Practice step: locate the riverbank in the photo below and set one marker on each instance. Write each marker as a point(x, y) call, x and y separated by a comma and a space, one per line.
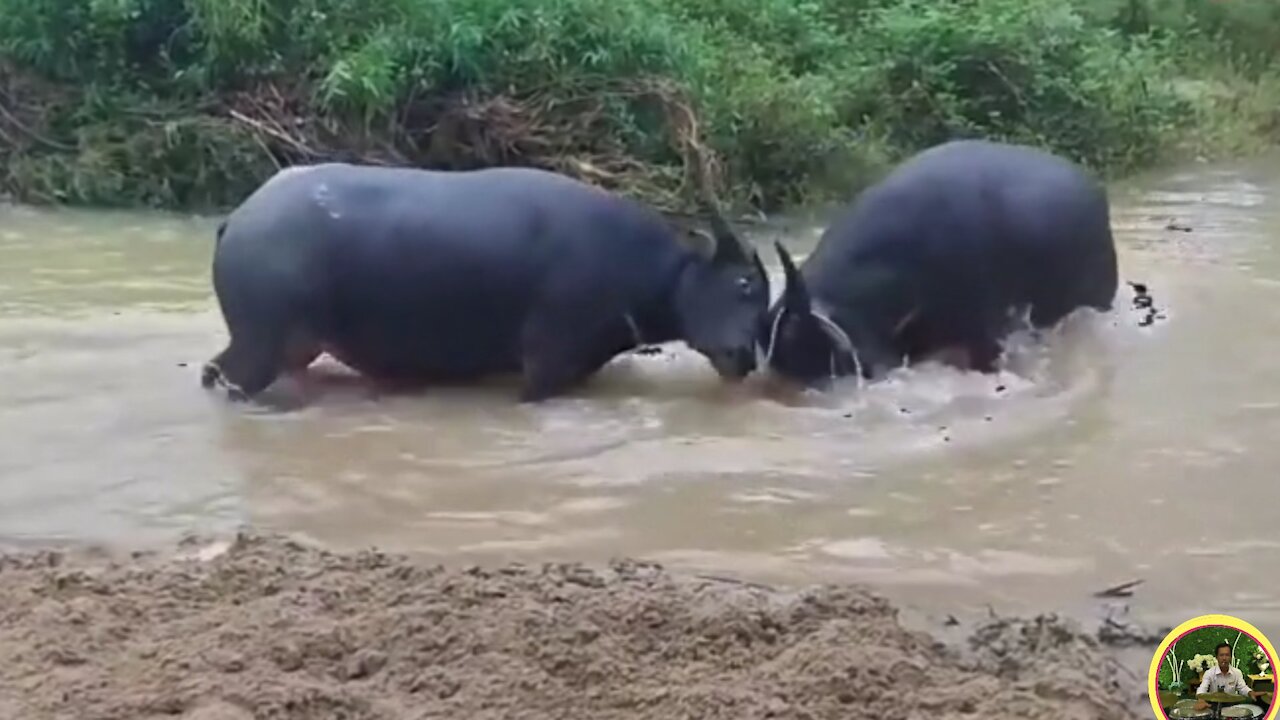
point(264, 627)
point(189, 104)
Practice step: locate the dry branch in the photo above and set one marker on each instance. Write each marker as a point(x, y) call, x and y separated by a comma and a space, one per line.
point(568, 132)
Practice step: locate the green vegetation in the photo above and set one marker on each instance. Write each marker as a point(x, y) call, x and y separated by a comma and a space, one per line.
point(191, 103)
point(1246, 655)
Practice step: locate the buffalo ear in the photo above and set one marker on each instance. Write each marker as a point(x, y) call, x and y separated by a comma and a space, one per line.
point(700, 242)
point(795, 296)
point(729, 248)
point(720, 246)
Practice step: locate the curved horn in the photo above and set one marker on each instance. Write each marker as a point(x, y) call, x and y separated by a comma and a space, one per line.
point(795, 296)
point(729, 248)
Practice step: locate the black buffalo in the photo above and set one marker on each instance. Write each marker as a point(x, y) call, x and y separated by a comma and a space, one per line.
point(421, 276)
point(941, 259)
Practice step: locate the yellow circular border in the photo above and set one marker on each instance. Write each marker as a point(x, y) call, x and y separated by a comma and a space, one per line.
point(1195, 624)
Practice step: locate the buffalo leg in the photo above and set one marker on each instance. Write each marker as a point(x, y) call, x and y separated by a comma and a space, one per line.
point(212, 372)
point(984, 355)
point(264, 308)
point(298, 356)
point(547, 374)
point(555, 360)
point(248, 365)
point(1104, 281)
point(1048, 314)
point(301, 350)
point(976, 355)
point(1086, 281)
point(956, 356)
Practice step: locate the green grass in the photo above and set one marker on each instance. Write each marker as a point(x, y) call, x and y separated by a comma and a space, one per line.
point(188, 104)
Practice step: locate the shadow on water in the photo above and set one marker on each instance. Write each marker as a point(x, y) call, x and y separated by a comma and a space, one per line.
point(1112, 450)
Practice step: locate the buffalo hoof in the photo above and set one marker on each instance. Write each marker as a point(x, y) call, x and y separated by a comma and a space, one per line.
point(209, 375)
point(212, 375)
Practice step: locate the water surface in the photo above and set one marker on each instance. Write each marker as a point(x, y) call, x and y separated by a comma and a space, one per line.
point(1113, 452)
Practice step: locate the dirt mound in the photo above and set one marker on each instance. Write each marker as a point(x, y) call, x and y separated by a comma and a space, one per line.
point(273, 629)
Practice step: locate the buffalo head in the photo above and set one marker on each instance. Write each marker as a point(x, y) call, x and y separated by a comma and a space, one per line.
point(801, 344)
point(722, 297)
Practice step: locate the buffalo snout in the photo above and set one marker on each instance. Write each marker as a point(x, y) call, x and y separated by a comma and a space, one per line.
point(734, 363)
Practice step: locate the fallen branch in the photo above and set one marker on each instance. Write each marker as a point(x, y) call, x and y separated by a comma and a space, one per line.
point(1121, 590)
point(28, 131)
point(559, 128)
point(278, 134)
point(735, 581)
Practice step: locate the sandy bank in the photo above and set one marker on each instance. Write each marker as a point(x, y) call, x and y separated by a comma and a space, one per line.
point(274, 629)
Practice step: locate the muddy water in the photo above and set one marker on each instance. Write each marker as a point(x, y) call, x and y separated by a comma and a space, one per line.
point(1112, 452)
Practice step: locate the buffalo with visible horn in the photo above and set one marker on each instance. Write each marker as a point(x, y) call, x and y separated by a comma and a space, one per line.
point(411, 275)
point(940, 259)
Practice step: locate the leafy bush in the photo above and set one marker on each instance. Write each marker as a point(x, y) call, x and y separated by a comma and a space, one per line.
point(1247, 32)
point(1024, 70)
point(182, 102)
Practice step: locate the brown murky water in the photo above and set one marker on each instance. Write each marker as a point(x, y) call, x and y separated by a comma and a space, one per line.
point(1114, 452)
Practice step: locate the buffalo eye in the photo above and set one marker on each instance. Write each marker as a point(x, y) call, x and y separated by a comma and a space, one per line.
point(744, 284)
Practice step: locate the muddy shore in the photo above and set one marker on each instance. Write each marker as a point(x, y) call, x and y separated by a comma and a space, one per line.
point(265, 627)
